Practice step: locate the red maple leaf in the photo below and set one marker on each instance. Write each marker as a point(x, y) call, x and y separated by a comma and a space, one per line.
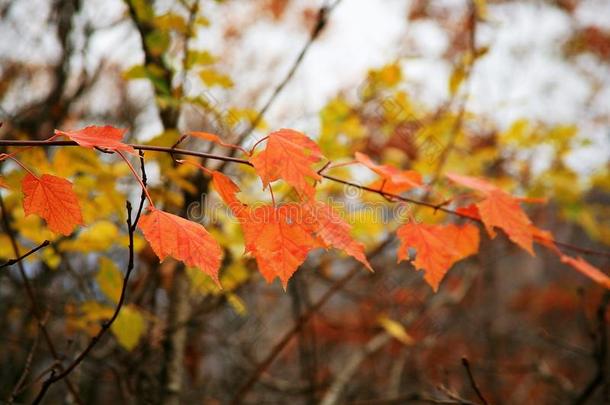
point(53, 199)
point(188, 241)
point(106, 137)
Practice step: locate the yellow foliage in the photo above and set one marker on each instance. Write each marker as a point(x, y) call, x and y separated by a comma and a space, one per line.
point(99, 236)
point(109, 279)
point(396, 330)
point(213, 78)
point(128, 327)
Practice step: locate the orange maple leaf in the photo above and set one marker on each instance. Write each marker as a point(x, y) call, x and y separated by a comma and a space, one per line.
point(206, 136)
point(3, 183)
point(334, 231)
point(190, 242)
point(587, 269)
point(393, 180)
point(227, 190)
point(437, 247)
point(279, 239)
point(289, 155)
point(53, 199)
point(106, 137)
point(499, 209)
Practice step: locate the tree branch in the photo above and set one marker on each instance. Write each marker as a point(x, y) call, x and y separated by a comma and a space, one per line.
point(53, 378)
point(20, 258)
point(32, 297)
point(472, 381)
point(319, 25)
point(600, 353)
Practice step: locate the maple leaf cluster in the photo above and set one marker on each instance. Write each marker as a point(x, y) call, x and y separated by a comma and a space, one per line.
point(280, 236)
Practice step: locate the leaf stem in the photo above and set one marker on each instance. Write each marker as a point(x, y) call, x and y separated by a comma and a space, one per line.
point(13, 158)
point(197, 165)
point(135, 174)
point(257, 143)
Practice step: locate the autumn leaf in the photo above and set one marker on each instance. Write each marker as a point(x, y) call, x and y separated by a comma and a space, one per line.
point(470, 211)
point(437, 247)
point(289, 155)
point(106, 137)
point(129, 327)
point(499, 209)
point(53, 199)
point(109, 279)
point(190, 242)
point(465, 239)
point(396, 330)
point(334, 231)
point(393, 180)
point(227, 190)
point(545, 238)
point(3, 183)
point(474, 183)
point(206, 136)
point(587, 269)
point(279, 239)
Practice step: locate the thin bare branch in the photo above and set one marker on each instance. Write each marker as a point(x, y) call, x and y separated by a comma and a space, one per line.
point(473, 382)
point(32, 297)
point(20, 258)
point(54, 377)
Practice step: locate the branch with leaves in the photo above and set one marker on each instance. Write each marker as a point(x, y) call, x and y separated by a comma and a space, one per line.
point(308, 224)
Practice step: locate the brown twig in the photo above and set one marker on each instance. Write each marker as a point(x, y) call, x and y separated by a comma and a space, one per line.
point(472, 381)
point(26, 368)
point(143, 195)
point(315, 32)
point(14, 261)
point(319, 25)
point(412, 398)
point(600, 353)
point(53, 378)
point(32, 297)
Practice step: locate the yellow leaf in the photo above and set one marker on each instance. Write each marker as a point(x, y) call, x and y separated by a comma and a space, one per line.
point(213, 78)
point(69, 161)
point(481, 9)
point(157, 42)
point(200, 58)
point(50, 258)
point(396, 330)
point(109, 279)
point(171, 22)
point(135, 72)
point(128, 327)
point(238, 305)
point(456, 79)
point(97, 237)
point(88, 317)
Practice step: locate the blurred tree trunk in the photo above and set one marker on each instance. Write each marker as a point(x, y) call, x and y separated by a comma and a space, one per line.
point(175, 341)
point(174, 344)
